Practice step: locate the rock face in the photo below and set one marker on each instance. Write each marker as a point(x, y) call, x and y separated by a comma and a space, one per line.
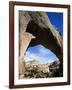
point(35, 64)
point(35, 69)
point(36, 28)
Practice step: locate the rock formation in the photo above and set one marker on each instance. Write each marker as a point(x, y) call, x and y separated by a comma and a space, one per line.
point(36, 28)
point(34, 69)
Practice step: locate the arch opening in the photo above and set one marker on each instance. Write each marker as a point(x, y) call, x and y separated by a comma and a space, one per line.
point(44, 37)
point(47, 43)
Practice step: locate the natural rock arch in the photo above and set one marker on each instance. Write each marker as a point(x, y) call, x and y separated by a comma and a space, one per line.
point(36, 28)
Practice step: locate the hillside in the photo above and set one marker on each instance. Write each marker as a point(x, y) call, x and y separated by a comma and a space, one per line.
point(34, 69)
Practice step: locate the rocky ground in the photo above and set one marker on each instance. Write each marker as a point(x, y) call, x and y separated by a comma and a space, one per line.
point(42, 71)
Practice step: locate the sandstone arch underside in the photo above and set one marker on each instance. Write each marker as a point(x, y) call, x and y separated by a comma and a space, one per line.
point(36, 28)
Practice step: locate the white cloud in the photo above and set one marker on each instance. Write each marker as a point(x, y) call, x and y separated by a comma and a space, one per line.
point(31, 56)
point(43, 50)
point(43, 55)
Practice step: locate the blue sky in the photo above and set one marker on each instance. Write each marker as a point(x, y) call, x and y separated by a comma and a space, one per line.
point(56, 20)
point(39, 52)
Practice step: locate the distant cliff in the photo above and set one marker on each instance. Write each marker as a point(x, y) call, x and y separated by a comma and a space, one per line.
point(37, 64)
point(34, 69)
